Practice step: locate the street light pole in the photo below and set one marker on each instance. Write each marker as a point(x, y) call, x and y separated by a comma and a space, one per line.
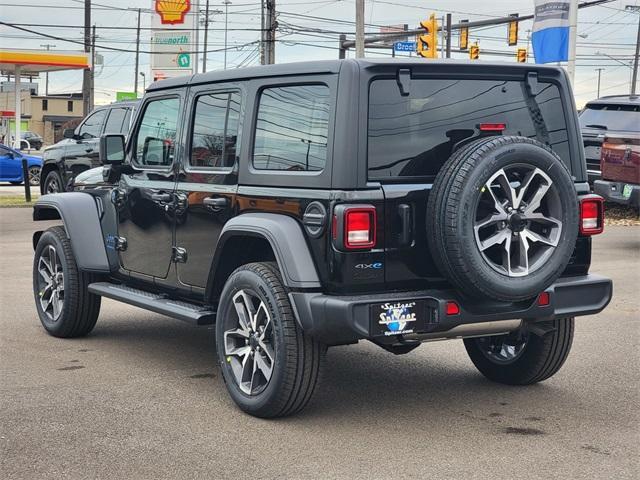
point(359, 28)
point(144, 82)
point(573, 30)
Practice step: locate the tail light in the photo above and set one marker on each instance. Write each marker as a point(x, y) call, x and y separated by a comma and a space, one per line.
point(452, 308)
point(492, 127)
point(354, 227)
point(591, 215)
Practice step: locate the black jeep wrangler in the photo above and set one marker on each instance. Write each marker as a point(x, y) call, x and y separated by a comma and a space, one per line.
point(302, 206)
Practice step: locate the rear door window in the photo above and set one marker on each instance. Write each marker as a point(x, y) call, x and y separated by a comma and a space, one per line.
point(413, 135)
point(115, 120)
point(292, 128)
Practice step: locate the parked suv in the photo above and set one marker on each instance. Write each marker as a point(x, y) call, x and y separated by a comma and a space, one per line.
point(79, 149)
point(611, 115)
point(301, 206)
point(33, 140)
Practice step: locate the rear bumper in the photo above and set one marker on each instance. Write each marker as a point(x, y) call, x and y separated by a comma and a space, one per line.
point(612, 192)
point(336, 320)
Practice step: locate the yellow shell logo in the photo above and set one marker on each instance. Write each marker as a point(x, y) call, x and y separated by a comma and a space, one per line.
point(172, 11)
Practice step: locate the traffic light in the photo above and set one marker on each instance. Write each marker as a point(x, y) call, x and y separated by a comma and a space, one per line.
point(464, 36)
point(428, 42)
point(512, 33)
point(474, 52)
point(521, 55)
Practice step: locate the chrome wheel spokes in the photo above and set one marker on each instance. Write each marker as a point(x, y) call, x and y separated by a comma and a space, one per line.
point(249, 343)
point(51, 283)
point(516, 224)
point(34, 176)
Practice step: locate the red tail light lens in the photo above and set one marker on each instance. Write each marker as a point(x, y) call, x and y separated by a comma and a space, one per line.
point(453, 308)
point(544, 299)
point(359, 228)
point(492, 127)
point(591, 215)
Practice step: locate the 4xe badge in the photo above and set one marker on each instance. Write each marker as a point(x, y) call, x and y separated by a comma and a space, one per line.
point(397, 317)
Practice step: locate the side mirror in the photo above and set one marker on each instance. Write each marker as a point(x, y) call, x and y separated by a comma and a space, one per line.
point(68, 133)
point(112, 149)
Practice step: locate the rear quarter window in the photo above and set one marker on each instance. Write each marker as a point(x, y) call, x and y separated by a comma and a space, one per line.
point(413, 135)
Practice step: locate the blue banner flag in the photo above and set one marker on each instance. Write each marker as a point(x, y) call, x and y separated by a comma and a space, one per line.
point(550, 34)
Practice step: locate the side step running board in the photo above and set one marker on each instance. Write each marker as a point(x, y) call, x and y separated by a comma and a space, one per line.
point(158, 303)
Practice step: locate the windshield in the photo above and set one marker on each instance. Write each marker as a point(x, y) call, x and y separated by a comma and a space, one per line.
point(624, 118)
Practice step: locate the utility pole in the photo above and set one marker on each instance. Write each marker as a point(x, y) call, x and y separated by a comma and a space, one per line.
point(206, 32)
point(634, 78)
point(573, 30)
point(86, 73)
point(270, 32)
point(359, 28)
point(599, 70)
point(135, 80)
point(92, 100)
point(195, 54)
point(263, 34)
point(448, 35)
point(226, 29)
point(46, 74)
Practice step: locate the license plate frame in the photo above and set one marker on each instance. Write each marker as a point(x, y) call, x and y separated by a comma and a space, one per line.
point(400, 317)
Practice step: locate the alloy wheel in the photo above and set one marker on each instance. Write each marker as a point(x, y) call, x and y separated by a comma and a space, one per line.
point(503, 349)
point(516, 224)
point(248, 343)
point(34, 176)
point(52, 185)
point(50, 283)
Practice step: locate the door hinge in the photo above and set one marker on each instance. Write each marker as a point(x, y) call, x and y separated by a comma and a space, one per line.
point(116, 243)
point(179, 255)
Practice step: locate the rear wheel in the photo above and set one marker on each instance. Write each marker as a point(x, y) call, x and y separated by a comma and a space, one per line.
point(34, 176)
point(64, 304)
point(270, 366)
point(524, 357)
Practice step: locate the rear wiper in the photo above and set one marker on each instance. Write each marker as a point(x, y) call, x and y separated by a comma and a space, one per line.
point(595, 125)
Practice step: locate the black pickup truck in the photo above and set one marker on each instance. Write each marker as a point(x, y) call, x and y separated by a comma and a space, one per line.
point(308, 205)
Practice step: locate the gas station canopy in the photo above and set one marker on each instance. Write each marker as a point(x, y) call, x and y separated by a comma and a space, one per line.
point(22, 62)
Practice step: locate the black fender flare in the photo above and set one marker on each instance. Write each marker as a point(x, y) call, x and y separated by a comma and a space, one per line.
point(287, 240)
point(81, 219)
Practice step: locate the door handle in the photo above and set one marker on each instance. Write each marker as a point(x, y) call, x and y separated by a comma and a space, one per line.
point(216, 202)
point(161, 197)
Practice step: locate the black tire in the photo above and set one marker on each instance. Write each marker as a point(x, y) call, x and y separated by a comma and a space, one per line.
point(298, 357)
point(80, 309)
point(53, 183)
point(451, 211)
point(542, 356)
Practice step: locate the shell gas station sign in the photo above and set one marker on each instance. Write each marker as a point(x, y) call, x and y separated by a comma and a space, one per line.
point(172, 11)
point(171, 39)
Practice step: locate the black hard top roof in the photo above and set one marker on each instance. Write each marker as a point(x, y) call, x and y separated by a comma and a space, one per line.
point(333, 66)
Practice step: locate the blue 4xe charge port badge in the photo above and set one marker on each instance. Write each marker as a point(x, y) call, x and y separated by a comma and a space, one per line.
point(397, 318)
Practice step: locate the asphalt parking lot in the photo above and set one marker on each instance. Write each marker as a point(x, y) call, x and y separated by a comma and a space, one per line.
point(141, 398)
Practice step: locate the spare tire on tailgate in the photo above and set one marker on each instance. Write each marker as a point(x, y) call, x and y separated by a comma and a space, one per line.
point(502, 218)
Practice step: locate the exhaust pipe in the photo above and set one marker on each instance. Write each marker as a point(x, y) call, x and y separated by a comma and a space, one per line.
point(469, 330)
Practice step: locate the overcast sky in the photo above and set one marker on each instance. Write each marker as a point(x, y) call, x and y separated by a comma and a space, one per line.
point(603, 30)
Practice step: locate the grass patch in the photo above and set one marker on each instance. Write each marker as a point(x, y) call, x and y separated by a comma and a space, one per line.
point(16, 201)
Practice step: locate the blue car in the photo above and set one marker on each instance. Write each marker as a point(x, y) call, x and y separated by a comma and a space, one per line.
point(11, 166)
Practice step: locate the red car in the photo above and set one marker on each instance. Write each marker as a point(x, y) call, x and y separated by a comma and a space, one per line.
point(620, 165)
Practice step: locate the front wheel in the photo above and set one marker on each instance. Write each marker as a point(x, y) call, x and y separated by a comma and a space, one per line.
point(523, 357)
point(64, 304)
point(270, 366)
point(53, 182)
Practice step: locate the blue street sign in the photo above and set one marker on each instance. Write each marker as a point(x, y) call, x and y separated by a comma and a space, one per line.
point(404, 46)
